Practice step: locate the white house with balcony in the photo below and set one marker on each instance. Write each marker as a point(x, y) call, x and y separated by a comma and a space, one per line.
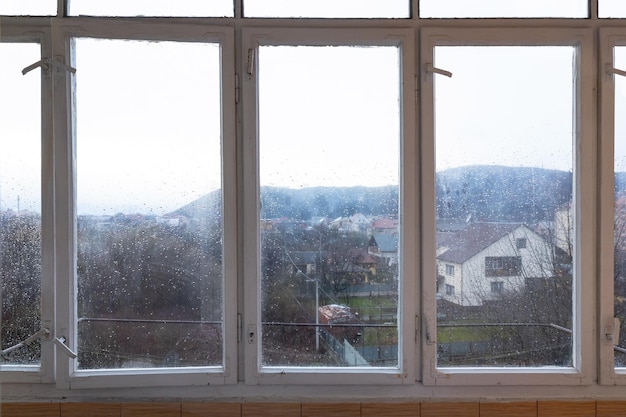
point(483, 261)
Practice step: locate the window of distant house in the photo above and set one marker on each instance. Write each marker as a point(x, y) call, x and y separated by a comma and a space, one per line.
point(449, 269)
point(520, 243)
point(449, 289)
point(497, 287)
point(20, 204)
point(499, 266)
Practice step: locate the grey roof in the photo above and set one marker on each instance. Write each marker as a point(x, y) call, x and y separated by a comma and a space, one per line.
point(466, 243)
point(386, 242)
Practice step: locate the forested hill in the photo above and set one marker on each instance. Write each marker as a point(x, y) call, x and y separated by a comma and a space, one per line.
point(498, 193)
point(486, 193)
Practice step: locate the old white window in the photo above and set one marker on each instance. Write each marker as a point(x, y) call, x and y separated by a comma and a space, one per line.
point(329, 289)
point(301, 194)
point(489, 146)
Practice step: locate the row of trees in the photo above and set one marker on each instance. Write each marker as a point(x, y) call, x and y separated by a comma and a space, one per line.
point(149, 294)
point(20, 272)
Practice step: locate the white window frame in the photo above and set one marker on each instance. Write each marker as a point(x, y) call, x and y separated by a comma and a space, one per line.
point(608, 373)
point(43, 373)
point(582, 371)
point(256, 374)
point(68, 376)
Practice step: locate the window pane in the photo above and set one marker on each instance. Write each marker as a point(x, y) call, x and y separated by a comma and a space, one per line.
point(191, 8)
point(504, 192)
point(149, 204)
point(28, 7)
point(20, 202)
point(611, 8)
point(327, 8)
point(329, 175)
point(619, 54)
point(499, 8)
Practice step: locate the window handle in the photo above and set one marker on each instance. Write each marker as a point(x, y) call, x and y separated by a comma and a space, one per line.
point(434, 70)
point(614, 71)
point(60, 342)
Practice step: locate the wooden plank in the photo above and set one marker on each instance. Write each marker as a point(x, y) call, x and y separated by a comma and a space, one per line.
point(331, 410)
point(510, 409)
point(271, 410)
point(91, 409)
point(30, 410)
point(211, 410)
point(150, 410)
point(566, 409)
point(611, 409)
point(390, 410)
point(464, 409)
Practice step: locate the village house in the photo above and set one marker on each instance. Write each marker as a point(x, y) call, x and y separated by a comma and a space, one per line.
point(483, 261)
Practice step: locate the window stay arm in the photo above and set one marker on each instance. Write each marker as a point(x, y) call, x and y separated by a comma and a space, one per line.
point(434, 70)
point(45, 65)
point(43, 332)
point(611, 70)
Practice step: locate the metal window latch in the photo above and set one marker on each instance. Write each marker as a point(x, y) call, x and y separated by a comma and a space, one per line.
point(614, 71)
point(60, 342)
point(46, 64)
point(434, 70)
point(612, 333)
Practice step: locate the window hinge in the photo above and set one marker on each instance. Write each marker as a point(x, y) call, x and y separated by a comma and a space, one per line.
point(434, 70)
point(46, 64)
point(611, 70)
point(430, 338)
point(417, 90)
point(239, 328)
point(251, 59)
point(417, 328)
point(237, 89)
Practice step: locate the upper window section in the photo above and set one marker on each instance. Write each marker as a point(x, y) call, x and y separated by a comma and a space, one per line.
point(178, 8)
point(612, 8)
point(149, 217)
point(20, 203)
point(505, 9)
point(28, 7)
point(327, 8)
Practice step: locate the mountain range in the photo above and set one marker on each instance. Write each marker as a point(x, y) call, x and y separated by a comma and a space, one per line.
point(483, 193)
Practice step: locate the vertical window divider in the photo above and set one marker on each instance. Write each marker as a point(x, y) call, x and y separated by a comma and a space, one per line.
point(609, 39)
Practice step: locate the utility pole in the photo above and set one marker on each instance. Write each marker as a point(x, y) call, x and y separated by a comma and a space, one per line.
point(317, 315)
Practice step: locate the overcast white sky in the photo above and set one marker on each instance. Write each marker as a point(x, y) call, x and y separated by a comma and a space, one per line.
point(508, 106)
point(328, 116)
